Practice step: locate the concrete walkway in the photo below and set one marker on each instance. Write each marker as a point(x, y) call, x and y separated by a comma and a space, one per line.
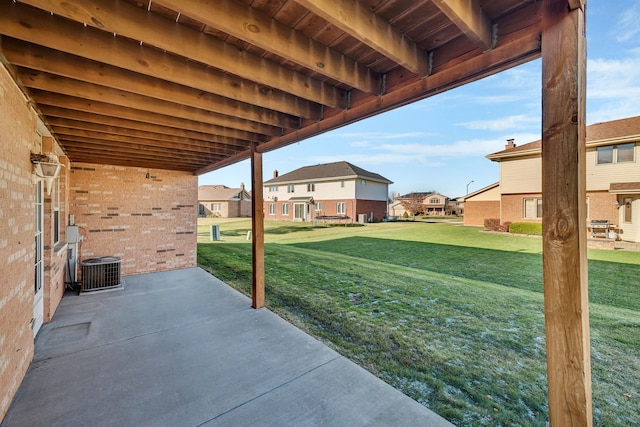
point(181, 348)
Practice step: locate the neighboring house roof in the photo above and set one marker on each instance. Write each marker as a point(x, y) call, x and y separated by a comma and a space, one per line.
point(597, 134)
point(418, 194)
point(480, 191)
point(220, 192)
point(336, 170)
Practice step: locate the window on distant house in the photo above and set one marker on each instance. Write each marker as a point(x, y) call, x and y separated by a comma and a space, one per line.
point(605, 154)
point(201, 209)
point(341, 184)
point(341, 208)
point(56, 210)
point(311, 186)
point(625, 152)
point(216, 207)
point(363, 182)
point(291, 188)
point(272, 208)
point(285, 209)
point(627, 208)
point(318, 206)
point(533, 208)
point(434, 201)
point(273, 188)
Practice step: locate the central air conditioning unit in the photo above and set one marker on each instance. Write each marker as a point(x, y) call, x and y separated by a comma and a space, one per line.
point(100, 273)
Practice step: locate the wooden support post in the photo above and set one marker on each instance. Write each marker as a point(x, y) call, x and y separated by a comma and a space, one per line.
point(257, 227)
point(564, 214)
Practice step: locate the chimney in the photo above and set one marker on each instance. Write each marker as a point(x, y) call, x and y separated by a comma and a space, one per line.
point(510, 144)
point(275, 173)
point(242, 191)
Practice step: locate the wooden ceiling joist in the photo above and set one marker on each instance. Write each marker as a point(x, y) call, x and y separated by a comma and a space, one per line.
point(115, 136)
point(137, 24)
point(468, 16)
point(56, 122)
point(65, 86)
point(365, 26)
point(148, 151)
point(60, 64)
point(61, 105)
point(33, 26)
point(260, 30)
point(91, 121)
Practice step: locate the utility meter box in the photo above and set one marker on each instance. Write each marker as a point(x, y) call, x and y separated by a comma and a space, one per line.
point(73, 234)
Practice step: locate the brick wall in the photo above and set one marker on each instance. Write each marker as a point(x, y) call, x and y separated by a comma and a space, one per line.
point(602, 205)
point(17, 130)
point(512, 208)
point(149, 223)
point(378, 207)
point(475, 212)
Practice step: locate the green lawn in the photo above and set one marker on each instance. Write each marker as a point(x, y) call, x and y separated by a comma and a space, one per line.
point(450, 315)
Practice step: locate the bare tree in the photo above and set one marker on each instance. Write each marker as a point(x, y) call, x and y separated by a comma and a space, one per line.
point(413, 204)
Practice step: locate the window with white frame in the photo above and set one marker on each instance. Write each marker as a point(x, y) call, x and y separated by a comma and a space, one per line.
point(291, 188)
point(532, 208)
point(605, 154)
point(216, 207)
point(311, 186)
point(625, 152)
point(56, 210)
point(285, 209)
point(273, 188)
point(272, 208)
point(622, 153)
point(434, 201)
point(318, 206)
point(341, 184)
point(341, 208)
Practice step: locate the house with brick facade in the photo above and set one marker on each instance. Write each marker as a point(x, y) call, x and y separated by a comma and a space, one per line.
point(612, 181)
point(482, 204)
point(331, 191)
point(222, 201)
point(425, 203)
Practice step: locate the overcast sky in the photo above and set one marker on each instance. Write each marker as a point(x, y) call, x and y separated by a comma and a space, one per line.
point(440, 143)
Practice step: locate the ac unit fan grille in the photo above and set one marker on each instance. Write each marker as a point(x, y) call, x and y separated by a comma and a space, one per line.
point(100, 273)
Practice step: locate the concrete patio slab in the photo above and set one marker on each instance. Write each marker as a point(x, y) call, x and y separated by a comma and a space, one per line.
point(181, 348)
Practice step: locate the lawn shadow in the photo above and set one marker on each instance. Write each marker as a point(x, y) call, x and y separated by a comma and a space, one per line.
point(610, 283)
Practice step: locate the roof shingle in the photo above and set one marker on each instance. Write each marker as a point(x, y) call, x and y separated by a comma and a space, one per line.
point(327, 171)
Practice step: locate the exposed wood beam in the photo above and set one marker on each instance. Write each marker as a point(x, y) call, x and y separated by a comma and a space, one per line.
point(62, 85)
point(577, 4)
point(58, 105)
point(365, 26)
point(138, 24)
point(102, 47)
point(73, 67)
point(169, 158)
point(468, 16)
point(564, 247)
point(196, 148)
point(79, 155)
point(518, 50)
point(88, 121)
point(247, 24)
point(93, 148)
point(257, 227)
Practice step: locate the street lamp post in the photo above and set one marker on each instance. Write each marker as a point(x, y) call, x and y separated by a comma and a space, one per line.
point(468, 184)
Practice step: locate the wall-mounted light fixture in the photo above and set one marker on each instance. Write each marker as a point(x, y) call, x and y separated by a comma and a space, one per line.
point(148, 175)
point(45, 167)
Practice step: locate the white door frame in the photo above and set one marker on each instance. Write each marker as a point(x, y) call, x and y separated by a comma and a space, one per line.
point(38, 299)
